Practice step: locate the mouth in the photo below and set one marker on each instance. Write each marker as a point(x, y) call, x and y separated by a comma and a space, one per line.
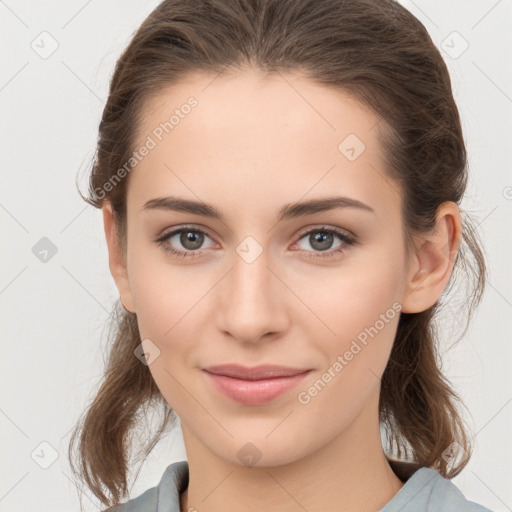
point(261, 372)
point(254, 386)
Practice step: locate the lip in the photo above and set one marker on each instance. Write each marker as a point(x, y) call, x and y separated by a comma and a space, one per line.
point(266, 371)
point(254, 386)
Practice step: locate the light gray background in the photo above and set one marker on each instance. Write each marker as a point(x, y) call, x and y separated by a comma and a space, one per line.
point(53, 312)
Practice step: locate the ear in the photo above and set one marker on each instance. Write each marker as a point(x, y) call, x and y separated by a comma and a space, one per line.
point(116, 258)
point(432, 260)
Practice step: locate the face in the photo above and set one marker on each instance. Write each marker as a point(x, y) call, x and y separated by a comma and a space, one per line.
point(317, 289)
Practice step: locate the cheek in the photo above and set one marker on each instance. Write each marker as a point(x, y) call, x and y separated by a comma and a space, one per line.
point(165, 294)
point(357, 310)
point(353, 299)
point(170, 305)
point(363, 312)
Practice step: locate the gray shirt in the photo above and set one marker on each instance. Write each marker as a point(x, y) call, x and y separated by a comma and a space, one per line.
point(425, 490)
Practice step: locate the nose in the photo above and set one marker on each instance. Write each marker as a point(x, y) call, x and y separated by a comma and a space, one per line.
point(252, 302)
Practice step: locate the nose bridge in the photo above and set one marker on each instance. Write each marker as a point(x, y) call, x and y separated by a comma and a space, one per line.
point(252, 305)
point(251, 278)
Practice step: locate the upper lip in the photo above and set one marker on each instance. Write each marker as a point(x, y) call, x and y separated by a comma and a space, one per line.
point(254, 373)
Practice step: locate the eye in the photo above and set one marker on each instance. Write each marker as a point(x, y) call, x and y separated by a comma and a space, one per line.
point(322, 239)
point(191, 239)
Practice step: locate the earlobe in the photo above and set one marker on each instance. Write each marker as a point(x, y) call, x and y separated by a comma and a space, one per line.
point(116, 258)
point(433, 260)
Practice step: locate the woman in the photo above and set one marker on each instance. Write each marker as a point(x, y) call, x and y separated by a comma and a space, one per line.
point(280, 184)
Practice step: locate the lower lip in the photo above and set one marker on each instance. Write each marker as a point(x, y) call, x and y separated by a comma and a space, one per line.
point(254, 392)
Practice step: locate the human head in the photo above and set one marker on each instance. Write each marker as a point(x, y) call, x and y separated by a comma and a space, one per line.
point(378, 54)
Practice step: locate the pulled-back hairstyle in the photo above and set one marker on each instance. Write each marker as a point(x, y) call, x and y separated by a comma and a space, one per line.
point(381, 54)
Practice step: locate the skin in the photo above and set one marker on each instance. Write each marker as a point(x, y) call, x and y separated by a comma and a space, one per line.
point(252, 145)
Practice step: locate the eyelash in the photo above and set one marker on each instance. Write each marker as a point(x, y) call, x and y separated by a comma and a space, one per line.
point(346, 239)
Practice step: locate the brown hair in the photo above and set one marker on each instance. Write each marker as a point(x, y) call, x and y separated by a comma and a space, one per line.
point(382, 55)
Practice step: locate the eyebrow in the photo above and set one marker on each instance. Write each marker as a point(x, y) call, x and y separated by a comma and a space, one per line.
point(288, 211)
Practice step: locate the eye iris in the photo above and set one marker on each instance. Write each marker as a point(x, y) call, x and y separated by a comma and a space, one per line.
point(191, 237)
point(320, 237)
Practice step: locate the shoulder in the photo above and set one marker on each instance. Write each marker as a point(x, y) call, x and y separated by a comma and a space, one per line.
point(165, 497)
point(447, 494)
point(427, 491)
point(146, 502)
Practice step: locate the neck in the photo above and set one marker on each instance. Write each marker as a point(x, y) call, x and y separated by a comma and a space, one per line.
point(351, 470)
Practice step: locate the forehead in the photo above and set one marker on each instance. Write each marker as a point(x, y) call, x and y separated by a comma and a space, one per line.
point(259, 137)
point(291, 104)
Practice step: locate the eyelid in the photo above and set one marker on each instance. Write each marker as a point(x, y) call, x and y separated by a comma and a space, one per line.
point(326, 227)
point(166, 233)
